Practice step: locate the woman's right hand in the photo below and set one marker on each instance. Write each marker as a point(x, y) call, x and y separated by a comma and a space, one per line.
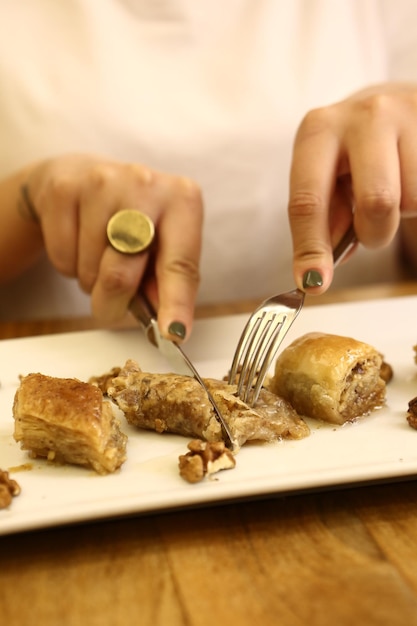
point(74, 197)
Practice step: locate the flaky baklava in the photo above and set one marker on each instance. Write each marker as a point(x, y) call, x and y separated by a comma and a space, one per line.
point(68, 421)
point(329, 377)
point(179, 404)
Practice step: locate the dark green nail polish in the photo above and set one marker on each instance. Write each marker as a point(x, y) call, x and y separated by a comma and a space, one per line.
point(312, 278)
point(177, 329)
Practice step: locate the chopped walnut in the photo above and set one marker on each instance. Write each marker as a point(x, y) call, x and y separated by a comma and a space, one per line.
point(203, 459)
point(8, 489)
point(412, 413)
point(412, 405)
point(104, 381)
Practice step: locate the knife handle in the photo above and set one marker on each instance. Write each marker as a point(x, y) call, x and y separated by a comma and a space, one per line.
point(144, 312)
point(345, 245)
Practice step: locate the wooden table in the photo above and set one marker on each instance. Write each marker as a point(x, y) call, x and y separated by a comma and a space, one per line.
point(343, 557)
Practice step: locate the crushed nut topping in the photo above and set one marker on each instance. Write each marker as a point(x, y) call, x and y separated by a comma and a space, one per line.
point(8, 489)
point(104, 381)
point(203, 459)
point(412, 413)
point(412, 405)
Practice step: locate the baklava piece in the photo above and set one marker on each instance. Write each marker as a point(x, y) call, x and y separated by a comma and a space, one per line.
point(329, 377)
point(179, 404)
point(68, 421)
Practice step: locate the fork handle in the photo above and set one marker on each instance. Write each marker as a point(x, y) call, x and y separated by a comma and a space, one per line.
point(345, 245)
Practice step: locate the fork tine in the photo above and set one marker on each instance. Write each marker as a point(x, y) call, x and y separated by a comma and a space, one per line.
point(274, 345)
point(250, 356)
point(245, 338)
point(258, 344)
point(246, 341)
point(267, 328)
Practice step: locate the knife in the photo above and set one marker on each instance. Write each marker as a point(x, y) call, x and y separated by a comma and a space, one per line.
point(144, 312)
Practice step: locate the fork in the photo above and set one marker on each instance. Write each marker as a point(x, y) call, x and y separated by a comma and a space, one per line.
point(266, 329)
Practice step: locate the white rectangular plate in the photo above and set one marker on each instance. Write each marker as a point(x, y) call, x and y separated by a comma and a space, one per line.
point(381, 446)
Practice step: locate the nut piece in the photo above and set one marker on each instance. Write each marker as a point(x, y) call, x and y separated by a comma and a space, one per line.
point(104, 381)
point(412, 413)
point(203, 459)
point(8, 489)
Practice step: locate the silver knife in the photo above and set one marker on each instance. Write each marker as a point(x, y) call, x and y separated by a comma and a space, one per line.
point(143, 311)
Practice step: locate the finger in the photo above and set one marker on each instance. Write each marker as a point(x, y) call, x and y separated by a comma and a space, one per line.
point(58, 213)
point(408, 159)
point(374, 163)
point(312, 181)
point(120, 275)
point(117, 281)
point(177, 262)
point(341, 210)
point(94, 215)
point(109, 188)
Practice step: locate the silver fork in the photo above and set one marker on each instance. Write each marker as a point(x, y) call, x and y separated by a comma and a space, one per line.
point(266, 329)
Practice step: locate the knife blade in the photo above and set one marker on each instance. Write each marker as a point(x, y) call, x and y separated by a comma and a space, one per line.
point(143, 311)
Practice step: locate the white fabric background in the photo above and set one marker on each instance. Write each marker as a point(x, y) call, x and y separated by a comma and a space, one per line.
point(211, 89)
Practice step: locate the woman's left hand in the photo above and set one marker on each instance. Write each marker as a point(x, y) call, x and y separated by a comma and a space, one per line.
point(362, 153)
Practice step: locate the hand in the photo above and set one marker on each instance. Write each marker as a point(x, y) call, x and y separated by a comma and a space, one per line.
point(361, 153)
point(75, 196)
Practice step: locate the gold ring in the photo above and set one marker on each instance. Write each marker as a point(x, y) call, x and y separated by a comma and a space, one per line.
point(130, 231)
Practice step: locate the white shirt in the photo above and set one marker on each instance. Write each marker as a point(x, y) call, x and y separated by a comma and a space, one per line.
point(210, 89)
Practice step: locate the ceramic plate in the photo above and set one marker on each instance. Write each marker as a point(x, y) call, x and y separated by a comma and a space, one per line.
point(378, 447)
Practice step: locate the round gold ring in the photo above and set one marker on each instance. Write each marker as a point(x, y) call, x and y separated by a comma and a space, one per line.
point(130, 231)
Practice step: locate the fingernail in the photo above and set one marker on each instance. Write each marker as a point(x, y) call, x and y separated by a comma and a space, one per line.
point(178, 329)
point(312, 278)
